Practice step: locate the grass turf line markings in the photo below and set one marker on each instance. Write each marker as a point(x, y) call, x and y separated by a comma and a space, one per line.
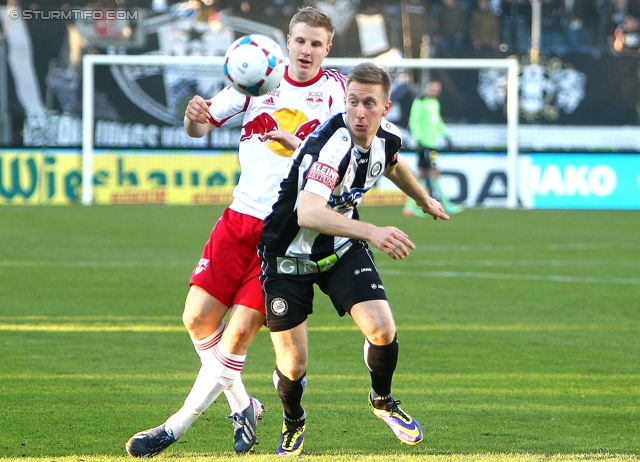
point(442, 274)
point(488, 263)
point(523, 277)
point(93, 264)
point(529, 263)
point(78, 327)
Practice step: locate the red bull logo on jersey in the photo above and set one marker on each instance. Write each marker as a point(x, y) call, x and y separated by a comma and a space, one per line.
point(291, 120)
point(314, 99)
point(324, 174)
point(201, 266)
point(262, 124)
point(306, 129)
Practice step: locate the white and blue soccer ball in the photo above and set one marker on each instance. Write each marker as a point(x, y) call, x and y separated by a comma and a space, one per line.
point(254, 65)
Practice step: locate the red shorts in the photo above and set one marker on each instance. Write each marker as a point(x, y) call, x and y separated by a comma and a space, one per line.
point(230, 266)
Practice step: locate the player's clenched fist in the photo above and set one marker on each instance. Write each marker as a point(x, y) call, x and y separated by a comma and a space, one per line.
point(198, 110)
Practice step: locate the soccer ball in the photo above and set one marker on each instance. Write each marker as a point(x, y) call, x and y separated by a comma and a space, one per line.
point(254, 65)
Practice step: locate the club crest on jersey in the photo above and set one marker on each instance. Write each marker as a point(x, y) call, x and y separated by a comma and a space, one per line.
point(376, 169)
point(314, 99)
point(202, 265)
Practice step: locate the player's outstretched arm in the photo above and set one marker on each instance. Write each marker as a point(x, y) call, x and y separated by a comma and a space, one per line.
point(314, 214)
point(196, 117)
point(402, 176)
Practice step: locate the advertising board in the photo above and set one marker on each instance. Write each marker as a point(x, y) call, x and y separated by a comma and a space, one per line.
point(545, 181)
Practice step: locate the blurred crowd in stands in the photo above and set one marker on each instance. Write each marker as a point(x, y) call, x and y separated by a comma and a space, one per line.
point(440, 28)
point(582, 26)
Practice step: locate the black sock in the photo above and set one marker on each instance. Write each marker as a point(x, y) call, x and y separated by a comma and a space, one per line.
point(381, 361)
point(290, 393)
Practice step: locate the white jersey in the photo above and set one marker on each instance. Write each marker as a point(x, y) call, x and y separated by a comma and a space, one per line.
point(330, 165)
point(295, 107)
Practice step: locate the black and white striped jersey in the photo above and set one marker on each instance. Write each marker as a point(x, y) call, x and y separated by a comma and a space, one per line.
point(330, 165)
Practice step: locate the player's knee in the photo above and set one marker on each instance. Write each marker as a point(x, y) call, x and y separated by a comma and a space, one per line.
point(299, 371)
point(197, 321)
point(293, 371)
point(243, 326)
point(202, 313)
point(383, 335)
point(238, 337)
point(188, 319)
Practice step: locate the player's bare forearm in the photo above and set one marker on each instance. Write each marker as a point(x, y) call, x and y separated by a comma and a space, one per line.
point(401, 175)
point(286, 139)
point(196, 117)
point(196, 130)
point(314, 214)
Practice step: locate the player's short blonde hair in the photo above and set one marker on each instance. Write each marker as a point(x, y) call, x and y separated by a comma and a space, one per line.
point(371, 74)
point(312, 17)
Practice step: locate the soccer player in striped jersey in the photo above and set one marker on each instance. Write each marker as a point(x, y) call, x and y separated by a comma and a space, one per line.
point(226, 278)
point(313, 236)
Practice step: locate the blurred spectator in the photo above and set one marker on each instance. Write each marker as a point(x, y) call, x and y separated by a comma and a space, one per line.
point(484, 28)
point(450, 27)
point(619, 10)
point(626, 37)
point(159, 6)
point(623, 33)
point(551, 39)
point(271, 12)
point(516, 24)
point(579, 21)
point(568, 25)
point(417, 12)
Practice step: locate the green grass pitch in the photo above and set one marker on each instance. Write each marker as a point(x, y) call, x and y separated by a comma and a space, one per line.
point(519, 339)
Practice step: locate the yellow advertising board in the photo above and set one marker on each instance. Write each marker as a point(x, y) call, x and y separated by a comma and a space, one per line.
point(40, 177)
point(165, 178)
point(54, 177)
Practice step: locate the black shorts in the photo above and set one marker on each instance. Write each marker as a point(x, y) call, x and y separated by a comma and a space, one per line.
point(289, 299)
point(426, 157)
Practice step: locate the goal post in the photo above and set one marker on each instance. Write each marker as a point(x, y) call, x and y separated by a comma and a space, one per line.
point(508, 65)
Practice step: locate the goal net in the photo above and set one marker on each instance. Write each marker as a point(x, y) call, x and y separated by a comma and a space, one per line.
point(135, 150)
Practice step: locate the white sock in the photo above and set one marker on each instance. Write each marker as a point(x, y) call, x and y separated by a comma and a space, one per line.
point(205, 390)
point(204, 347)
point(232, 365)
point(237, 396)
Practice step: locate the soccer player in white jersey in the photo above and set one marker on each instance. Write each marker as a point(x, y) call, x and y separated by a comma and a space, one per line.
point(313, 236)
point(227, 277)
